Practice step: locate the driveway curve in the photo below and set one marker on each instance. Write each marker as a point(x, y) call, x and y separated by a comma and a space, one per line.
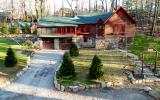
point(37, 83)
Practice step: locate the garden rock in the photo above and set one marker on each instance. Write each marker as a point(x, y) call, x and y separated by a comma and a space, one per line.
point(109, 84)
point(58, 87)
point(74, 88)
point(62, 88)
point(81, 87)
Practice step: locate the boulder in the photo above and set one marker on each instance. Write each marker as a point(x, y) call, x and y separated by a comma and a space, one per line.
point(109, 84)
point(58, 87)
point(74, 88)
point(62, 88)
point(81, 87)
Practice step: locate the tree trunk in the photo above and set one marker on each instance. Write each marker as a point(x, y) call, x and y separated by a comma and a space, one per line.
point(154, 19)
point(36, 9)
point(70, 4)
point(89, 5)
point(106, 6)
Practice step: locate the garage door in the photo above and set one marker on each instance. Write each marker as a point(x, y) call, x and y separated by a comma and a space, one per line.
point(48, 43)
point(65, 43)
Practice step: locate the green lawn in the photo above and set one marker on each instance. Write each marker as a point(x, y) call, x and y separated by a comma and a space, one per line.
point(142, 43)
point(5, 43)
point(113, 65)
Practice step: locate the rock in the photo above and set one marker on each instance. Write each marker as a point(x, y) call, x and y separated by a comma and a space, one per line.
point(103, 84)
point(115, 84)
point(146, 89)
point(68, 89)
point(74, 88)
point(120, 83)
point(62, 88)
point(140, 81)
point(92, 86)
point(58, 87)
point(86, 87)
point(81, 87)
point(109, 84)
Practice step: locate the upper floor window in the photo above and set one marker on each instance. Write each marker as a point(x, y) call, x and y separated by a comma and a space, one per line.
point(119, 28)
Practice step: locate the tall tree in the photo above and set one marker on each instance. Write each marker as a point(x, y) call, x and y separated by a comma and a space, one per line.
point(89, 5)
point(70, 4)
point(106, 9)
point(155, 17)
point(37, 14)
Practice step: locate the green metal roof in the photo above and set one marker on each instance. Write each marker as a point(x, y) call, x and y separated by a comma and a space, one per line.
point(70, 21)
point(5, 13)
point(56, 36)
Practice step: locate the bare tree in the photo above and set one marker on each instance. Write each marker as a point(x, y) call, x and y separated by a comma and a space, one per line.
point(95, 5)
point(37, 14)
point(62, 7)
point(70, 4)
point(155, 17)
point(112, 5)
point(89, 5)
point(106, 5)
point(102, 4)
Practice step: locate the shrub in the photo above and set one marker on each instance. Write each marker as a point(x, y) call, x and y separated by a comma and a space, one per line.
point(28, 43)
point(27, 29)
point(67, 67)
point(10, 60)
point(74, 50)
point(14, 29)
point(96, 70)
point(5, 28)
point(35, 31)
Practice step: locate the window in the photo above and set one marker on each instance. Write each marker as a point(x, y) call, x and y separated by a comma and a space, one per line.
point(87, 29)
point(82, 29)
point(119, 28)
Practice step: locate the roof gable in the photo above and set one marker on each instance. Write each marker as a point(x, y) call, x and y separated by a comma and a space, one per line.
point(121, 9)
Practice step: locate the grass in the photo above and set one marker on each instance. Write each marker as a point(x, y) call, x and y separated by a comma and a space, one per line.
point(113, 62)
point(142, 43)
point(5, 43)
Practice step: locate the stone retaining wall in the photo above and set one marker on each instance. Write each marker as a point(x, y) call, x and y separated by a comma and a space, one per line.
point(83, 87)
point(145, 81)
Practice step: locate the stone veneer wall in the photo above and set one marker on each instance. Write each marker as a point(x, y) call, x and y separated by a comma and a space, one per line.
point(101, 43)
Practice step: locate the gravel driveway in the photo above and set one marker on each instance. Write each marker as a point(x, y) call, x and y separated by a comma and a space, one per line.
point(37, 84)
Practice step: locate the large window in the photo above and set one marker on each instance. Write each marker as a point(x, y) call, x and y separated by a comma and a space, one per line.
point(119, 28)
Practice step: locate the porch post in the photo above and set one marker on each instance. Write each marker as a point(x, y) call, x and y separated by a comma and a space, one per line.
point(70, 28)
point(74, 29)
point(65, 29)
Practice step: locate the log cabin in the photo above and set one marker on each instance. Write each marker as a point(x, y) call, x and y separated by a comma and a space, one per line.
point(97, 30)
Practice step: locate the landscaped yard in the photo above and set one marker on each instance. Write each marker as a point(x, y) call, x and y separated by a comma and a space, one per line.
point(113, 62)
point(142, 43)
point(5, 43)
